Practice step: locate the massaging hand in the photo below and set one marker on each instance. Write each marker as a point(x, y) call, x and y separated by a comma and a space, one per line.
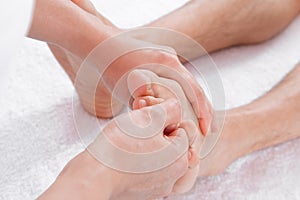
point(101, 104)
point(148, 89)
point(165, 149)
point(138, 155)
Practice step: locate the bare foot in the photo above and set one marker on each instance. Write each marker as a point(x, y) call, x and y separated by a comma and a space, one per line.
point(103, 103)
point(72, 63)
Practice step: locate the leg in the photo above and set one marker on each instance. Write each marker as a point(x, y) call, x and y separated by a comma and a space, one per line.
point(220, 24)
point(269, 120)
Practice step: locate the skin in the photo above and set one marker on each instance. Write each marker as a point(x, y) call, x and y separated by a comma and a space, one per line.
point(85, 177)
point(54, 22)
point(203, 24)
point(71, 46)
point(267, 127)
point(150, 89)
point(276, 129)
point(64, 30)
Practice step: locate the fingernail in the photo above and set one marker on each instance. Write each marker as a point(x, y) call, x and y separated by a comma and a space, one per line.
point(203, 126)
point(160, 100)
point(190, 155)
point(142, 103)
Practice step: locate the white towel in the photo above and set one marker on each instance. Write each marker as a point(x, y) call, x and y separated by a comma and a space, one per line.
point(38, 136)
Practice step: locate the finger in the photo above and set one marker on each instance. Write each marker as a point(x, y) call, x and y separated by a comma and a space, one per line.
point(142, 82)
point(186, 182)
point(206, 118)
point(191, 130)
point(180, 142)
point(195, 141)
point(194, 159)
point(86, 5)
point(198, 100)
point(214, 124)
point(172, 111)
point(193, 92)
point(141, 102)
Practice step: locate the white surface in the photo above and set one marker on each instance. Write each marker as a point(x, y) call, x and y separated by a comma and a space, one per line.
point(15, 19)
point(37, 134)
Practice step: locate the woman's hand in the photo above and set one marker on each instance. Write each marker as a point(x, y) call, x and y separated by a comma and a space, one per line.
point(151, 144)
point(138, 155)
point(148, 89)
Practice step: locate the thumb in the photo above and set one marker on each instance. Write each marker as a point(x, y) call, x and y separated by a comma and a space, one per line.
point(180, 145)
point(179, 140)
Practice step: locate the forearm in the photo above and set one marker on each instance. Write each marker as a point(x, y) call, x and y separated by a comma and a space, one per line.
point(273, 118)
point(67, 25)
point(219, 24)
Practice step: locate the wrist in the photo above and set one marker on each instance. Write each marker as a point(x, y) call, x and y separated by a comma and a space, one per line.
point(85, 178)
